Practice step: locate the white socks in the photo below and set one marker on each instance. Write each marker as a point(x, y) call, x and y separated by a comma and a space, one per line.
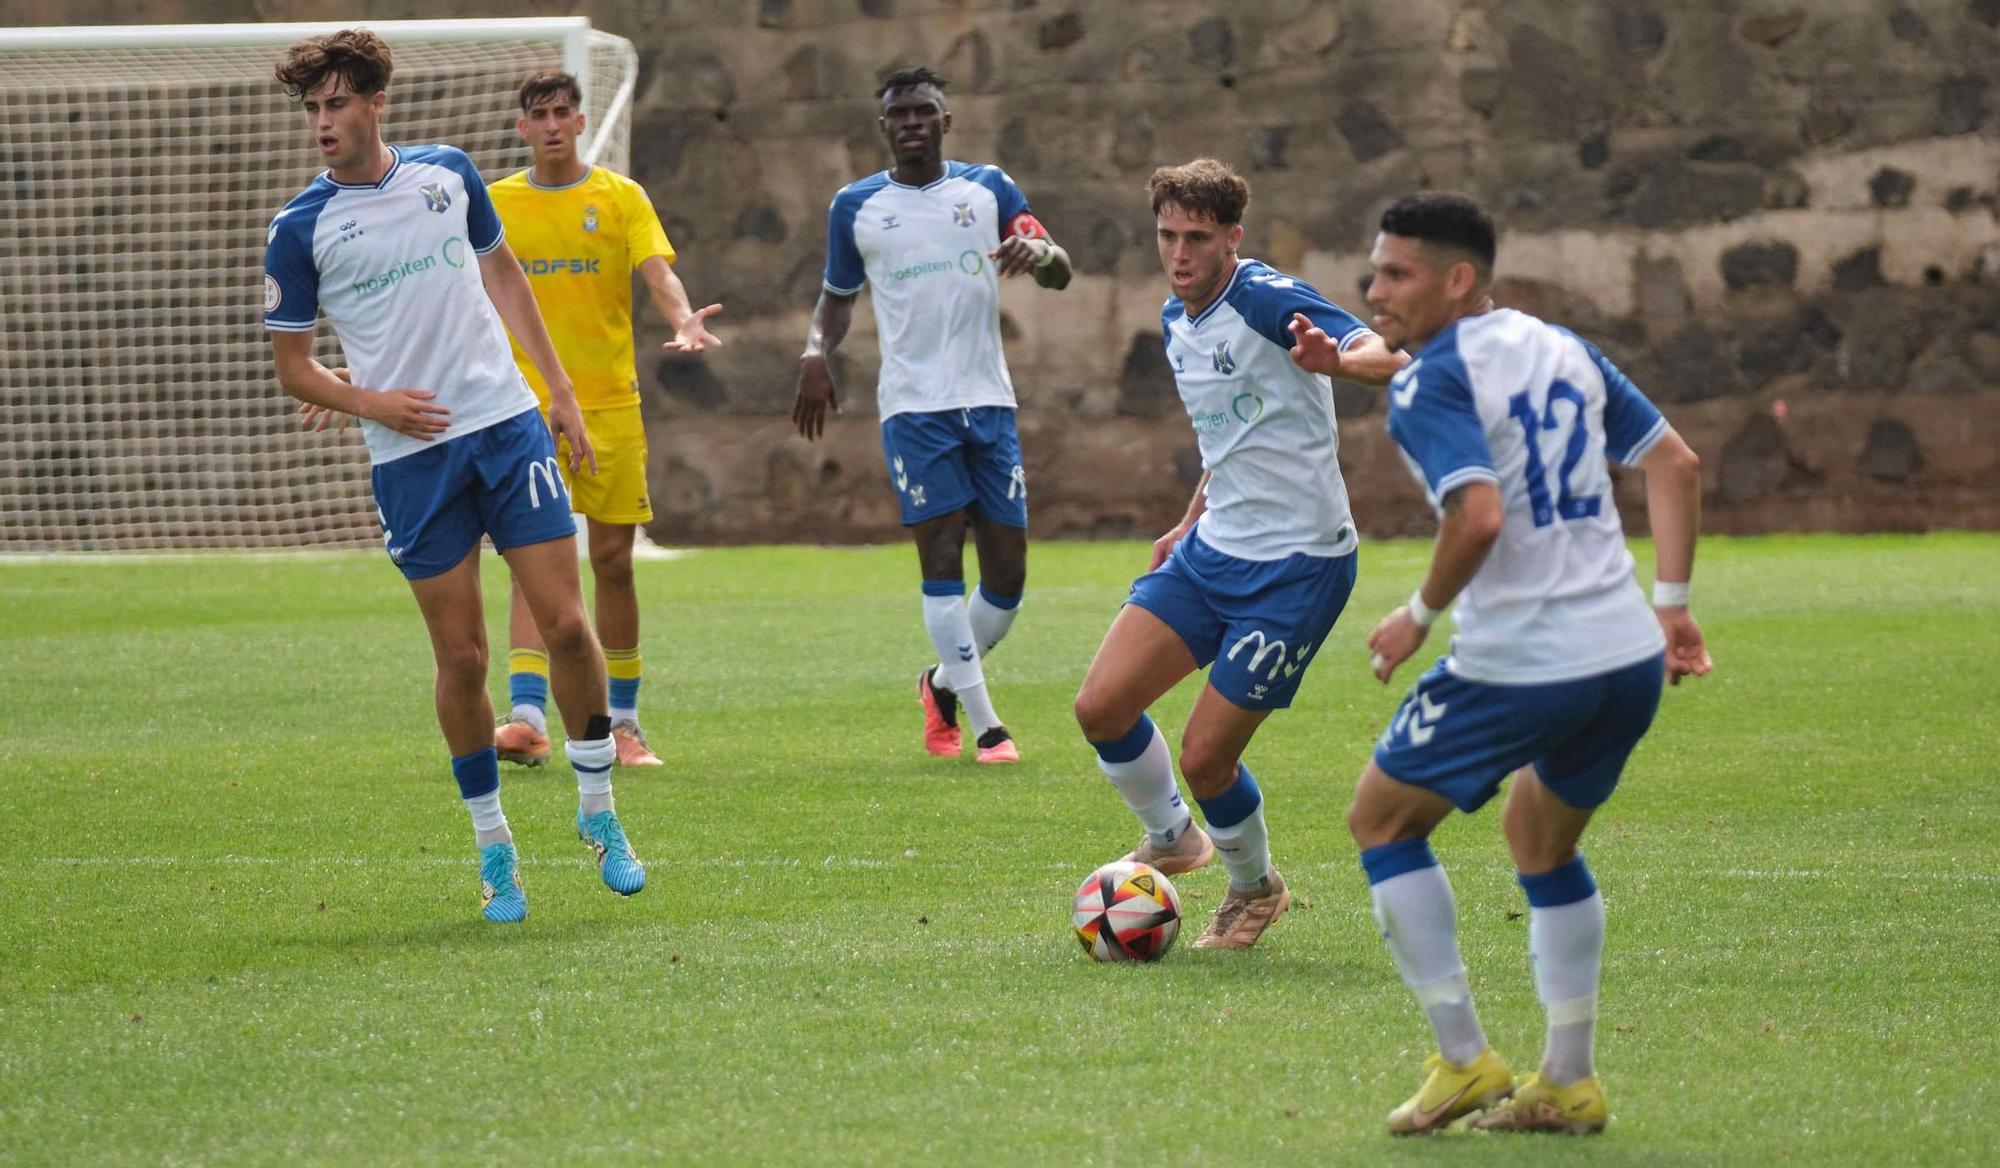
point(1236, 824)
point(1419, 919)
point(1567, 942)
point(950, 626)
point(592, 763)
point(991, 617)
point(1142, 768)
point(489, 823)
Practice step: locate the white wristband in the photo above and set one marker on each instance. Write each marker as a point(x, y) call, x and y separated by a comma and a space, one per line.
point(1048, 257)
point(1670, 594)
point(1423, 614)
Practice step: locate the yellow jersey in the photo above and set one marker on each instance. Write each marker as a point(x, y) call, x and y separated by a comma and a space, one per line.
point(579, 244)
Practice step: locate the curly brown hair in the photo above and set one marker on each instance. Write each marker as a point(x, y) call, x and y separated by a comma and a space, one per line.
point(1204, 188)
point(357, 56)
point(547, 84)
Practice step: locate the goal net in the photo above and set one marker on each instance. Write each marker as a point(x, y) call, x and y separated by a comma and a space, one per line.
point(141, 168)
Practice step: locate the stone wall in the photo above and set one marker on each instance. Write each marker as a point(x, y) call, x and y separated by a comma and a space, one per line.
point(1782, 217)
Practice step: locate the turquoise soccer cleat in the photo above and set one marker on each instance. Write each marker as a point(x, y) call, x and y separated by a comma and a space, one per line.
point(622, 872)
point(501, 897)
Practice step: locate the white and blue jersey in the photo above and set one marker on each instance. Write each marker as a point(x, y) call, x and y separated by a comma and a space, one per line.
point(1265, 426)
point(1505, 398)
point(393, 265)
point(924, 252)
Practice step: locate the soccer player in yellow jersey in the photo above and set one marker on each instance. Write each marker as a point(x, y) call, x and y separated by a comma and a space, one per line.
point(579, 232)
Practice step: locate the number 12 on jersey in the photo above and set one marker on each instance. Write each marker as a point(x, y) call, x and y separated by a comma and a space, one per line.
point(1568, 504)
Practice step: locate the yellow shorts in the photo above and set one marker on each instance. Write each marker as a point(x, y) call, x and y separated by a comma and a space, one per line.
point(616, 494)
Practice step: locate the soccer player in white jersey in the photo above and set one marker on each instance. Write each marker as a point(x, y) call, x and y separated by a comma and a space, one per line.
point(932, 238)
point(401, 249)
point(1557, 667)
point(1254, 577)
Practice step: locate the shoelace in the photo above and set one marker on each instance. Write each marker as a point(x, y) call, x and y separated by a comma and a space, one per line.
point(497, 872)
point(605, 830)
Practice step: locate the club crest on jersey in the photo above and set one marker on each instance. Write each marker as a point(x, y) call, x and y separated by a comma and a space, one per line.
point(590, 218)
point(1224, 363)
point(962, 214)
point(435, 197)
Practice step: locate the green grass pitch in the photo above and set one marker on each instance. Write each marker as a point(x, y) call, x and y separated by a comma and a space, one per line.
point(238, 912)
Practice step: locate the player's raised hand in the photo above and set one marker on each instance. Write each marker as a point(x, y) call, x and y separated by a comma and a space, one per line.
point(1687, 654)
point(816, 397)
point(1393, 641)
point(566, 420)
point(408, 411)
point(693, 335)
point(1017, 255)
point(1312, 350)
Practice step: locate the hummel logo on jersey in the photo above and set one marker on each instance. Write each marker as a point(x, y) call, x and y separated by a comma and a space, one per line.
point(1419, 717)
point(889, 223)
point(965, 653)
point(1403, 386)
point(590, 218)
point(435, 197)
point(1224, 363)
point(962, 214)
point(902, 480)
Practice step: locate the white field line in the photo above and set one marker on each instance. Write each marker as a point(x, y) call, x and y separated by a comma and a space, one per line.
point(643, 549)
point(876, 863)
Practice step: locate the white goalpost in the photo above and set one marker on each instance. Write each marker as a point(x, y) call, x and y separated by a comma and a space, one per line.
point(140, 168)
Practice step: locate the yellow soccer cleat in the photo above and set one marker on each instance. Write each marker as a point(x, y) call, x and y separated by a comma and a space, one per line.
point(1577, 1109)
point(1452, 1091)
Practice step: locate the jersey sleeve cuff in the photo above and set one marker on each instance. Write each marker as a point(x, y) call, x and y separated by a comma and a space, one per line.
point(1462, 476)
point(289, 326)
point(1355, 337)
point(1647, 442)
point(828, 285)
point(497, 241)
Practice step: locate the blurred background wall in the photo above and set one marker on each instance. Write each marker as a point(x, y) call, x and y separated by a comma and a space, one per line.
point(1781, 218)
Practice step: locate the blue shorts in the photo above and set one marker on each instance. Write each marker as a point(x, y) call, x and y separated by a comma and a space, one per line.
point(1461, 739)
point(500, 481)
point(1259, 621)
point(953, 459)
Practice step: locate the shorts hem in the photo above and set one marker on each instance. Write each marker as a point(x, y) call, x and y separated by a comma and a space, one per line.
point(1193, 649)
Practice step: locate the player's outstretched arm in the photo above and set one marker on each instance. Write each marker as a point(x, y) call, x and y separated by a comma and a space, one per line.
point(817, 396)
point(1036, 255)
point(514, 298)
point(1370, 361)
point(1473, 514)
point(670, 300)
point(1673, 509)
point(406, 411)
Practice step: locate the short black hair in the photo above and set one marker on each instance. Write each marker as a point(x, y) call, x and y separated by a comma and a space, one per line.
point(909, 79)
point(1445, 219)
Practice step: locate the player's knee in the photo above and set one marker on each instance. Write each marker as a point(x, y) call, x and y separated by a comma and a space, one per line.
point(567, 635)
point(611, 568)
point(1207, 772)
point(1102, 720)
point(461, 663)
point(1004, 579)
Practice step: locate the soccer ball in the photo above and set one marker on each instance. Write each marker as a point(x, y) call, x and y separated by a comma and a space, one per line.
point(1127, 911)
